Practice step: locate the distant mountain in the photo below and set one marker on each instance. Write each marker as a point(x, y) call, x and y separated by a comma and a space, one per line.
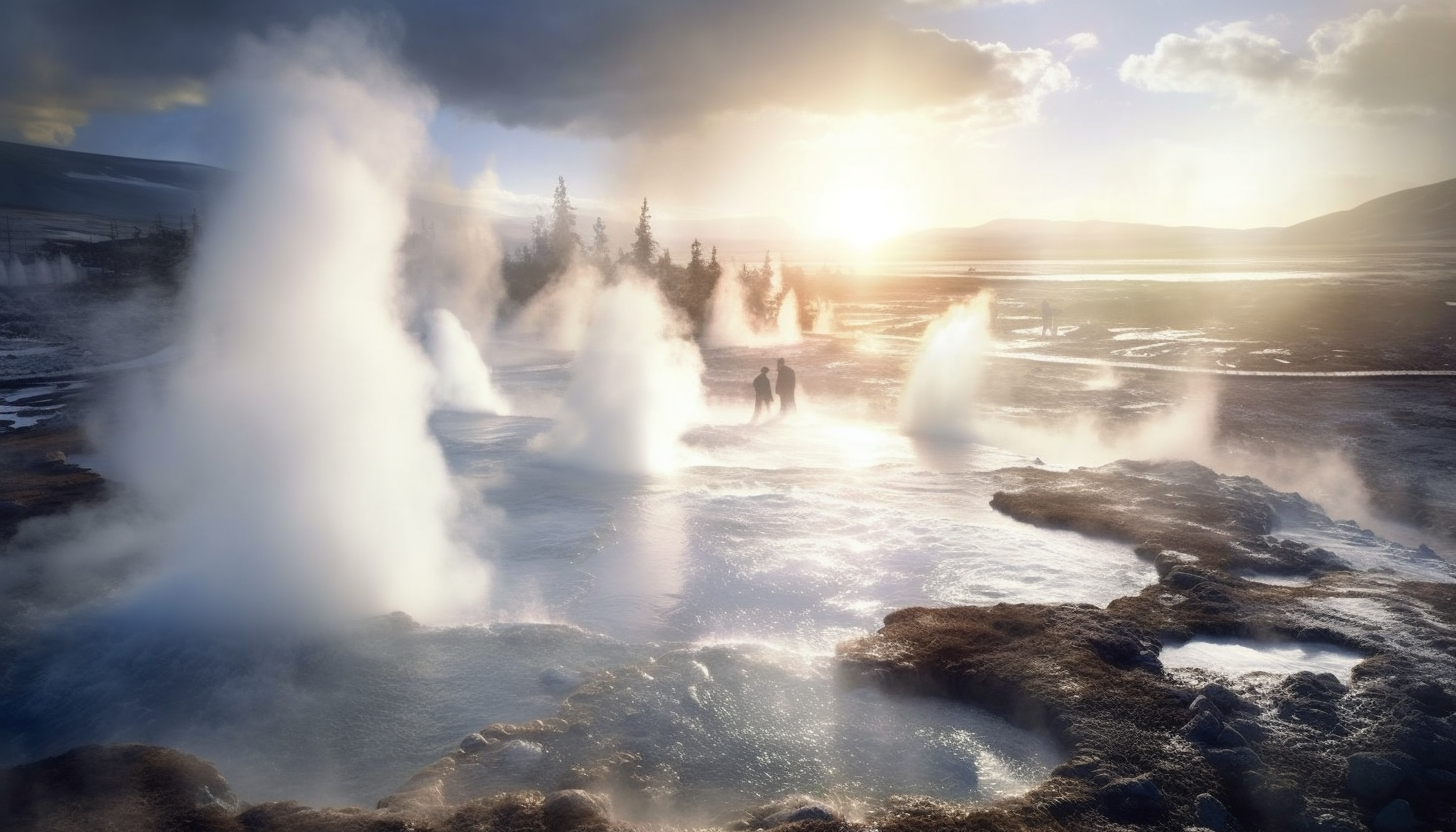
point(1034, 239)
point(1419, 215)
point(49, 193)
point(133, 191)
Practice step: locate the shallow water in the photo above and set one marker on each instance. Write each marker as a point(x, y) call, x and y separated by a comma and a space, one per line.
point(1237, 657)
point(767, 546)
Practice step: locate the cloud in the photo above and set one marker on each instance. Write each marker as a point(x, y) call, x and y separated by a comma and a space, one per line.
point(1378, 63)
point(1080, 42)
point(585, 65)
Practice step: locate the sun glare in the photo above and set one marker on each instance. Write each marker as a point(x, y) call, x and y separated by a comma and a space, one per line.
point(861, 216)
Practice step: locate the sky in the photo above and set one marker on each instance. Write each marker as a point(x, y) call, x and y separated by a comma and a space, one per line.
point(845, 119)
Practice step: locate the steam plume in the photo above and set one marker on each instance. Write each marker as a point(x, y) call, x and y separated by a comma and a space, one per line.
point(636, 386)
point(289, 454)
point(730, 325)
point(940, 395)
point(462, 380)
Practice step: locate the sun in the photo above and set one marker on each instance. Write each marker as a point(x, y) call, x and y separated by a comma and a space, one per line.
point(861, 216)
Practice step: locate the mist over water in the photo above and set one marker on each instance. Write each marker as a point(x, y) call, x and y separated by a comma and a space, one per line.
point(288, 456)
point(636, 386)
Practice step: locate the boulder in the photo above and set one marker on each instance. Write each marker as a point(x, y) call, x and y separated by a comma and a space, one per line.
point(1133, 799)
point(115, 787)
point(1211, 814)
point(572, 808)
point(1396, 816)
point(473, 743)
point(810, 811)
point(1204, 728)
point(1372, 778)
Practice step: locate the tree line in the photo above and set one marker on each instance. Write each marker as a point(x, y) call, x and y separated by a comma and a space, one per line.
point(555, 245)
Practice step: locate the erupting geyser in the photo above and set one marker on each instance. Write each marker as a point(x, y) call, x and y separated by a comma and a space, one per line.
point(940, 395)
point(463, 379)
point(636, 386)
point(731, 325)
point(289, 457)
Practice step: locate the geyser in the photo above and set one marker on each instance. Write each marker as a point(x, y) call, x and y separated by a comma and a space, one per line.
point(940, 394)
point(288, 454)
point(635, 389)
point(731, 325)
point(462, 380)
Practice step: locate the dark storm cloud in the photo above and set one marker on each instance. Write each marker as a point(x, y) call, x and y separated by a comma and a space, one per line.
point(607, 66)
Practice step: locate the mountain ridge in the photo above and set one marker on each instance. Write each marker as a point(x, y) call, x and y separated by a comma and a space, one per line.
point(116, 189)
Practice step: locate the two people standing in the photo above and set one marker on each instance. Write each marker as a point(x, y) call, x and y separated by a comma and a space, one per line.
point(783, 385)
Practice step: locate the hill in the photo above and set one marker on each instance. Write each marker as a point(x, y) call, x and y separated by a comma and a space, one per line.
point(1423, 216)
point(51, 180)
point(53, 194)
point(1419, 215)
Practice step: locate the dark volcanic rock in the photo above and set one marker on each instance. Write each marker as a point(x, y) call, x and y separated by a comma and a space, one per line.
point(1396, 817)
point(118, 787)
point(1213, 521)
point(1310, 699)
point(1372, 777)
point(1133, 799)
point(1211, 814)
point(575, 809)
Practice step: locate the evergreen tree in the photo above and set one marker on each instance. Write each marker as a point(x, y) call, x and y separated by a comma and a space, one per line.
point(540, 241)
point(758, 291)
point(563, 239)
point(700, 283)
point(644, 246)
point(600, 251)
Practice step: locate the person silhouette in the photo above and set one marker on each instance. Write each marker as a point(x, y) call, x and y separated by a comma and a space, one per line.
point(784, 386)
point(762, 394)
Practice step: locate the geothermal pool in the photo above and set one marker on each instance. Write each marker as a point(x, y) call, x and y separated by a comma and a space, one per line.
point(739, 567)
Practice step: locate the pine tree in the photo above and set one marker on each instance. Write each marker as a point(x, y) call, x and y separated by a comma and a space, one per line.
point(644, 246)
point(699, 283)
point(600, 250)
point(563, 239)
point(540, 240)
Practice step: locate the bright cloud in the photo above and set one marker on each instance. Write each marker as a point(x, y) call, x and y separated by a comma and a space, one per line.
point(1375, 63)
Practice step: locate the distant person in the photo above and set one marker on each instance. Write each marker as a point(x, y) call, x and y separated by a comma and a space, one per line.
point(1048, 319)
point(784, 386)
point(762, 394)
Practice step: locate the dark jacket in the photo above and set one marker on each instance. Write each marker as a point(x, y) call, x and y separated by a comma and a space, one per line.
point(784, 386)
point(761, 390)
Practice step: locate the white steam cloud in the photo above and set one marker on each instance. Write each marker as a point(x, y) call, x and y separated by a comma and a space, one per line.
point(635, 389)
point(557, 317)
point(462, 380)
point(730, 325)
point(940, 395)
point(289, 453)
point(43, 271)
